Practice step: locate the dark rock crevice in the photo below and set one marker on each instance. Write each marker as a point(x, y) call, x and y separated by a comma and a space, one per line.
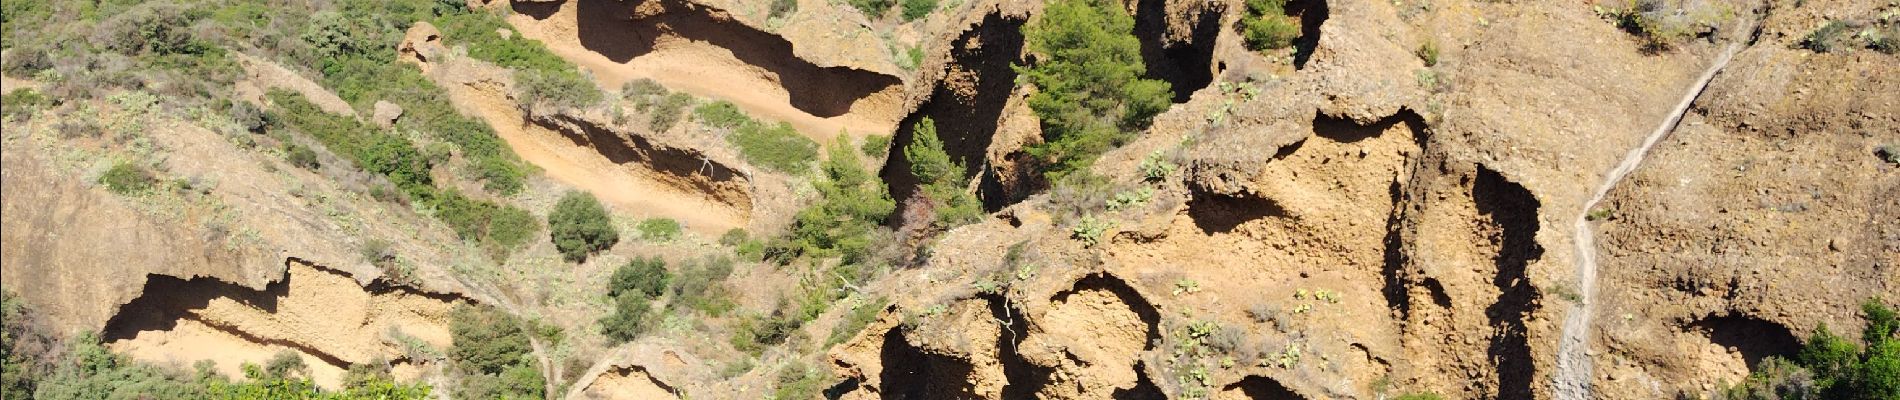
point(966, 106)
point(1754, 338)
point(1512, 209)
point(1258, 387)
point(1184, 62)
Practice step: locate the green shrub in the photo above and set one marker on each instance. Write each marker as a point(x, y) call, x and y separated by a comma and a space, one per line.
point(853, 202)
point(487, 340)
point(781, 8)
point(875, 145)
point(1267, 27)
point(798, 381)
point(499, 227)
point(301, 156)
point(915, 9)
point(702, 286)
point(1090, 94)
point(642, 277)
point(21, 104)
point(127, 178)
point(734, 237)
point(777, 147)
point(1831, 36)
point(667, 111)
point(854, 321)
point(872, 8)
point(940, 180)
point(561, 89)
point(1089, 230)
point(1419, 396)
point(631, 318)
point(1428, 52)
point(1830, 367)
point(580, 226)
point(721, 114)
point(659, 229)
point(1156, 167)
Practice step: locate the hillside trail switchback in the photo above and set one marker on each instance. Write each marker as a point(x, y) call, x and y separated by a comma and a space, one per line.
point(1573, 378)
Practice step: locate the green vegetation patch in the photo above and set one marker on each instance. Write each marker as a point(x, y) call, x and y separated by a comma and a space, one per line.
point(580, 226)
point(1090, 96)
point(1267, 27)
point(1831, 367)
point(941, 181)
point(778, 147)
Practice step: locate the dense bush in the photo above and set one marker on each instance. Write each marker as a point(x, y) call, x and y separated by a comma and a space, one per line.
point(580, 226)
point(631, 318)
point(663, 108)
point(1090, 94)
point(915, 9)
point(940, 180)
point(492, 351)
point(645, 277)
point(872, 8)
point(1266, 26)
point(633, 288)
point(853, 202)
point(1831, 367)
point(127, 178)
point(875, 145)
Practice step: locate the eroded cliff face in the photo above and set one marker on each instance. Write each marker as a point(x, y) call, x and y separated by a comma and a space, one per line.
point(1431, 205)
point(319, 314)
point(1342, 220)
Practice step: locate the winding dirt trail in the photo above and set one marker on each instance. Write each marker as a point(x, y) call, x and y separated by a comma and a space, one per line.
point(1573, 378)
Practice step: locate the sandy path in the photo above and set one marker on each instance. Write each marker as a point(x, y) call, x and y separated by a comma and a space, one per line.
point(1573, 379)
point(701, 69)
point(621, 187)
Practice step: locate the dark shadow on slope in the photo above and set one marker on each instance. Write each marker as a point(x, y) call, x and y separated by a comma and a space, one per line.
point(1756, 339)
point(1397, 296)
point(911, 374)
point(1219, 213)
point(1258, 387)
point(1185, 63)
point(166, 300)
point(537, 10)
point(1025, 378)
point(612, 29)
point(966, 106)
point(1145, 388)
point(1311, 13)
point(1346, 131)
point(682, 165)
point(1513, 210)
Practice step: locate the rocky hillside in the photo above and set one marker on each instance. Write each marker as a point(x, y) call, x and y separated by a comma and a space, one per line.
point(955, 199)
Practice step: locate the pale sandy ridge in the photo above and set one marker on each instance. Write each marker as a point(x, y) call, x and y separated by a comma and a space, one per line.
point(583, 168)
point(706, 70)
